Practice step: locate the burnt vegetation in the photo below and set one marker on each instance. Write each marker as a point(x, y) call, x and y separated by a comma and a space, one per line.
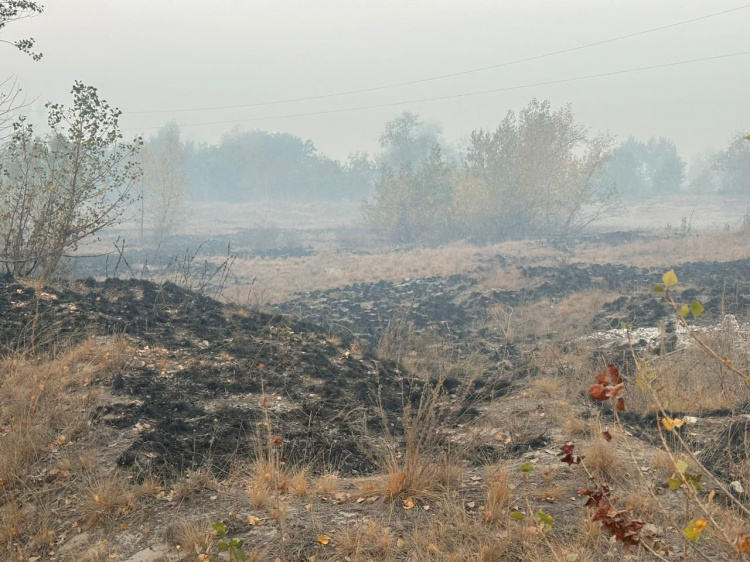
point(250, 350)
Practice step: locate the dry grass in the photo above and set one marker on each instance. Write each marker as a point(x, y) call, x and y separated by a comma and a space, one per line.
point(327, 484)
point(692, 382)
point(106, 499)
point(562, 321)
point(40, 401)
point(194, 481)
point(498, 497)
point(367, 540)
point(670, 251)
point(299, 482)
point(603, 461)
point(427, 462)
point(190, 536)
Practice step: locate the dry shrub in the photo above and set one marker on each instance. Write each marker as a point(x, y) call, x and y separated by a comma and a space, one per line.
point(365, 541)
point(259, 495)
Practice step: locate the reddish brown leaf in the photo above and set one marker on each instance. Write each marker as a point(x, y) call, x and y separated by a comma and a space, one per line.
point(598, 392)
point(614, 374)
point(277, 442)
point(621, 404)
point(607, 435)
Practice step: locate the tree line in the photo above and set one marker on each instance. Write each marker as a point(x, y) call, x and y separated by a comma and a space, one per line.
point(540, 172)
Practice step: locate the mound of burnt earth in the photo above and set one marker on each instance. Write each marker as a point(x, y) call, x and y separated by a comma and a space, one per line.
point(453, 305)
point(363, 310)
point(194, 390)
point(722, 288)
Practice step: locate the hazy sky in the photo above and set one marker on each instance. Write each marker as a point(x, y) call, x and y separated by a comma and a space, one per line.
point(175, 54)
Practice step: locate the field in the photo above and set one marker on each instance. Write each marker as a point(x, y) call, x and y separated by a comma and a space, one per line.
point(319, 396)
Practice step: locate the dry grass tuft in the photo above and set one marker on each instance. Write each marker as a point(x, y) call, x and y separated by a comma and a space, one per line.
point(194, 481)
point(106, 499)
point(498, 497)
point(368, 540)
point(299, 482)
point(602, 460)
point(545, 387)
point(327, 485)
point(190, 536)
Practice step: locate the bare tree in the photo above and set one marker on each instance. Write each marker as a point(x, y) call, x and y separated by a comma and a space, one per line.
point(164, 181)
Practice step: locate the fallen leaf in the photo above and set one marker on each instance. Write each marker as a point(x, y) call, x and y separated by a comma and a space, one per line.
point(324, 539)
point(408, 503)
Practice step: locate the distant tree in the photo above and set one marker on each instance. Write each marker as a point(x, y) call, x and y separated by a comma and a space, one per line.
point(361, 172)
point(666, 167)
point(58, 190)
point(412, 203)
point(640, 169)
point(539, 172)
point(701, 176)
point(164, 181)
point(407, 140)
point(260, 165)
point(732, 165)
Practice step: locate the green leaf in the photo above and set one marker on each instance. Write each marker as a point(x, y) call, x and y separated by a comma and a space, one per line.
point(544, 519)
point(684, 311)
point(747, 137)
point(696, 309)
point(220, 529)
point(572, 557)
point(674, 483)
point(658, 288)
point(694, 480)
point(681, 466)
point(527, 467)
point(239, 554)
point(517, 516)
point(669, 278)
point(222, 546)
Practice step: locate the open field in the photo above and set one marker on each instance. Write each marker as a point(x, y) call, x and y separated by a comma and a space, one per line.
point(379, 405)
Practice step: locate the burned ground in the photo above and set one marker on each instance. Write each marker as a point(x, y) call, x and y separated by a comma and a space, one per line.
point(201, 371)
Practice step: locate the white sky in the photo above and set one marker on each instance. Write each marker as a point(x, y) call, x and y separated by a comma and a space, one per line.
point(167, 54)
